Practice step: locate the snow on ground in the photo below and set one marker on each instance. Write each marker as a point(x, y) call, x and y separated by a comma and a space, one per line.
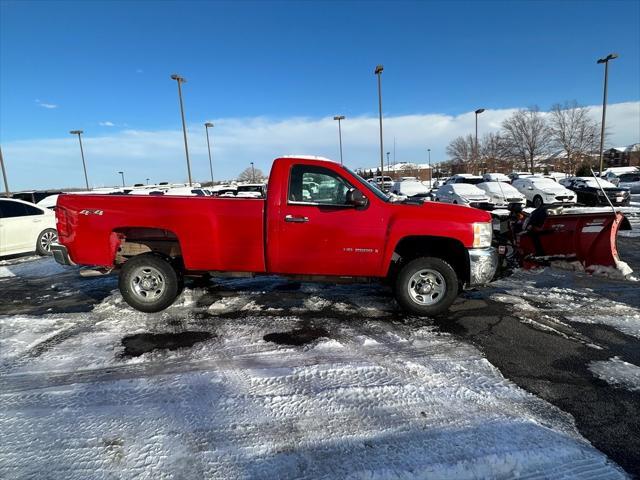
point(617, 372)
point(532, 294)
point(361, 395)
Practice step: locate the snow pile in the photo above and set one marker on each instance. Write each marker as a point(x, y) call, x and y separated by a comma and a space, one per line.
point(617, 372)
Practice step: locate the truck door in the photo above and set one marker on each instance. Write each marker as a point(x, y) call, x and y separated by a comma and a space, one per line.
point(321, 233)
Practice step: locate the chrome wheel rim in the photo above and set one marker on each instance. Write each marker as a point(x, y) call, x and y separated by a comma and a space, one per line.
point(47, 239)
point(147, 283)
point(427, 287)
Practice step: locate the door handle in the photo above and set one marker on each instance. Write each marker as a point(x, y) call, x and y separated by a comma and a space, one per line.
point(37, 220)
point(292, 219)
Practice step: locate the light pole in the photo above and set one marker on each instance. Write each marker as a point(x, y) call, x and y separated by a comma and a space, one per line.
point(206, 127)
point(84, 166)
point(378, 71)
point(339, 118)
point(253, 174)
point(180, 81)
point(4, 176)
point(430, 174)
point(122, 173)
point(388, 169)
point(478, 112)
point(604, 60)
point(147, 181)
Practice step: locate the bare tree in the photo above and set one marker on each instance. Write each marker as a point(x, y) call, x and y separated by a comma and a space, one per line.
point(494, 152)
point(574, 132)
point(250, 175)
point(527, 135)
point(460, 151)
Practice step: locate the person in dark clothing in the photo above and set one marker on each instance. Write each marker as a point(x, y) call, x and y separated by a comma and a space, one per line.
point(533, 227)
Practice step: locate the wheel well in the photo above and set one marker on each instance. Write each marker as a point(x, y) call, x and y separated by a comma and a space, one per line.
point(450, 250)
point(138, 240)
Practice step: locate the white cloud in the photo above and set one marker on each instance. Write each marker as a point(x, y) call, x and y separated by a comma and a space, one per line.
point(160, 156)
point(49, 106)
point(107, 124)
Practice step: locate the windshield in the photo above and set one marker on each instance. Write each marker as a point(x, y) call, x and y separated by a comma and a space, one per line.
point(544, 183)
point(592, 182)
point(473, 181)
point(371, 187)
point(466, 189)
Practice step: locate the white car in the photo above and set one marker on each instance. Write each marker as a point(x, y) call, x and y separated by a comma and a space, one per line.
point(187, 192)
point(544, 191)
point(630, 181)
point(463, 194)
point(465, 178)
point(25, 227)
point(496, 177)
point(410, 188)
point(515, 175)
point(502, 194)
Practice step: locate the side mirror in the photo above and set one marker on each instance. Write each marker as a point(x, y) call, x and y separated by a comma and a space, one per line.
point(356, 198)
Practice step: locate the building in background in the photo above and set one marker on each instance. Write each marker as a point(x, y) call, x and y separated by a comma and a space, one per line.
point(628, 156)
point(421, 171)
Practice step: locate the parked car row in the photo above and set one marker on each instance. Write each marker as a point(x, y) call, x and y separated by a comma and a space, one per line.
point(537, 190)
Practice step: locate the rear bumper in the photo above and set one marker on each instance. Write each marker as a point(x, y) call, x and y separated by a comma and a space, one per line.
point(483, 263)
point(61, 254)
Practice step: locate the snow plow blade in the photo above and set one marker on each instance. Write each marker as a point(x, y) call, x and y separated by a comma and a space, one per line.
point(589, 238)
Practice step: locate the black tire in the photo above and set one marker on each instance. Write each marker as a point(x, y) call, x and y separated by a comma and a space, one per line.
point(441, 278)
point(537, 201)
point(149, 283)
point(45, 239)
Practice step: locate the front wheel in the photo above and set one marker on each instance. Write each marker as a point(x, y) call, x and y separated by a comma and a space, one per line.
point(426, 286)
point(45, 239)
point(537, 201)
point(148, 283)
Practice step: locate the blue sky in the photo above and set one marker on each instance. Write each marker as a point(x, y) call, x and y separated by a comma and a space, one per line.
point(67, 65)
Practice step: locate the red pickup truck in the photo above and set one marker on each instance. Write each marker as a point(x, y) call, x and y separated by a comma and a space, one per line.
point(319, 221)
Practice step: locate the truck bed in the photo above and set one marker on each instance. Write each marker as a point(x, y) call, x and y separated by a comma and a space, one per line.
point(214, 233)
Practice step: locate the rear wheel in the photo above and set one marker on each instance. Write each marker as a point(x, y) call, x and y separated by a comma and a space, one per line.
point(426, 286)
point(537, 201)
point(45, 239)
point(149, 283)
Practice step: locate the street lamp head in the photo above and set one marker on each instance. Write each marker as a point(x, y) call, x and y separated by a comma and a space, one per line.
point(76, 132)
point(177, 77)
point(339, 117)
point(120, 173)
point(379, 69)
point(611, 56)
point(479, 111)
point(208, 125)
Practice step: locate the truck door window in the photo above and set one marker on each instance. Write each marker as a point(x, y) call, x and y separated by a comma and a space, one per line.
point(317, 185)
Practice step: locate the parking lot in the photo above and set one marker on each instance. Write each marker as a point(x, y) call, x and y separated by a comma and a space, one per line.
point(263, 378)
